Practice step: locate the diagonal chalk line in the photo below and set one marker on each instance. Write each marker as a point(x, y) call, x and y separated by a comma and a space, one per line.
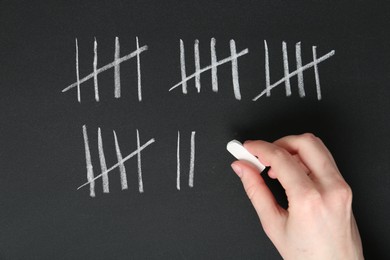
point(119, 163)
point(226, 60)
point(108, 66)
point(307, 66)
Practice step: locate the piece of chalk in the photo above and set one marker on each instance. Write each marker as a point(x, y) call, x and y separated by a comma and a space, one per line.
point(238, 151)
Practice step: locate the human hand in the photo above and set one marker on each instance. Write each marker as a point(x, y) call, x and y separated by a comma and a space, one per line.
point(318, 223)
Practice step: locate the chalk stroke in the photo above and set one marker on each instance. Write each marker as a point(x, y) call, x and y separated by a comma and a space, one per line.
point(117, 75)
point(139, 72)
point(103, 164)
point(95, 80)
point(89, 163)
point(298, 56)
point(286, 69)
point(267, 74)
point(90, 176)
point(214, 64)
point(77, 72)
point(236, 84)
point(317, 76)
point(122, 168)
point(178, 162)
point(197, 65)
point(183, 68)
point(298, 71)
point(140, 182)
point(192, 161)
point(115, 64)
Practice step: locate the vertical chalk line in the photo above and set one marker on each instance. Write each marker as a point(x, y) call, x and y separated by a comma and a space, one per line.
point(236, 84)
point(88, 163)
point(267, 73)
point(119, 163)
point(106, 67)
point(122, 169)
point(183, 68)
point(226, 60)
point(286, 69)
point(307, 66)
point(214, 77)
point(140, 182)
point(197, 64)
point(138, 71)
point(77, 72)
point(192, 161)
point(117, 76)
point(298, 56)
point(178, 162)
point(317, 76)
point(103, 164)
point(95, 61)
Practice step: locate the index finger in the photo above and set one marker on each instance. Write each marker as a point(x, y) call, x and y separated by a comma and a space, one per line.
point(287, 170)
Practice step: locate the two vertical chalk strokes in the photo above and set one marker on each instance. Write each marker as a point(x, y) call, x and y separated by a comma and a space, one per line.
point(191, 173)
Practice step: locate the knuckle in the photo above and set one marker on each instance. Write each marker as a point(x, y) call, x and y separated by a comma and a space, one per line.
point(309, 138)
point(342, 193)
point(280, 154)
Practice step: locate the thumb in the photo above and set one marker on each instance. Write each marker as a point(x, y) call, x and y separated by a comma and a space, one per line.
point(270, 213)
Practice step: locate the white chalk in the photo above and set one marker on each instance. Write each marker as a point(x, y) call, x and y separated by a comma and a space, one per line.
point(238, 151)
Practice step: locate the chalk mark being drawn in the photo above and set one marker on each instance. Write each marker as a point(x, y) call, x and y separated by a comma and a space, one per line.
point(298, 71)
point(213, 67)
point(115, 64)
point(104, 171)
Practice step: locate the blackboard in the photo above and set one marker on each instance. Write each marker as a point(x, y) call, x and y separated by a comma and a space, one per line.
point(123, 57)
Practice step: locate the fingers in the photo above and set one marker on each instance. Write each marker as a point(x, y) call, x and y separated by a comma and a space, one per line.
point(268, 210)
point(313, 154)
point(284, 166)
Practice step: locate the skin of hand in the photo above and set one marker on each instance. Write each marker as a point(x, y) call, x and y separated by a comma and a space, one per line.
point(318, 223)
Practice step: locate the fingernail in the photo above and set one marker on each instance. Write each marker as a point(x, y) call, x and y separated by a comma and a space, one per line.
point(237, 169)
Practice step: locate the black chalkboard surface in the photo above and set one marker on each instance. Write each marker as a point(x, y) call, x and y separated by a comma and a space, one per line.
point(115, 116)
